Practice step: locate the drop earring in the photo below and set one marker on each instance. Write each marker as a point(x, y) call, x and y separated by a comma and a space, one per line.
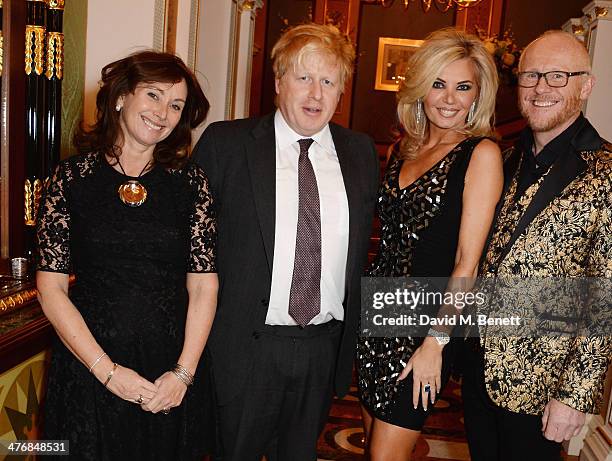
point(420, 117)
point(470, 118)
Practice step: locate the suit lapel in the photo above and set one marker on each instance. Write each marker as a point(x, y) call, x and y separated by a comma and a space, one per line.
point(560, 176)
point(512, 162)
point(562, 173)
point(261, 161)
point(351, 185)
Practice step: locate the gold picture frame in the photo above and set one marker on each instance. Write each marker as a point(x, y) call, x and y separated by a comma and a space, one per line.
point(392, 61)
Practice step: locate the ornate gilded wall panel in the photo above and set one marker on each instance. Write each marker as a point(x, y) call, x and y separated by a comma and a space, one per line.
point(73, 75)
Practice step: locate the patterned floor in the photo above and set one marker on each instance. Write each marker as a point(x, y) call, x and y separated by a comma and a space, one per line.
point(443, 437)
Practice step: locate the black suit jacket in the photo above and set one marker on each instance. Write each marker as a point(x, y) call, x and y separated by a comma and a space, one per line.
point(239, 158)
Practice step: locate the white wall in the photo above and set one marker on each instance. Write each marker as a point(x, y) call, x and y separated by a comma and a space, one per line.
point(115, 28)
point(182, 29)
point(212, 56)
point(244, 60)
point(598, 108)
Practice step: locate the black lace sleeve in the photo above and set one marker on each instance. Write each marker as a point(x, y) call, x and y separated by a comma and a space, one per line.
point(203, 226)
point(53, 228)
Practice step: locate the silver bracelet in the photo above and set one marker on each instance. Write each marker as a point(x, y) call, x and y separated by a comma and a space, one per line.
point(96, 361)
point(183, 374)
point(442, 338)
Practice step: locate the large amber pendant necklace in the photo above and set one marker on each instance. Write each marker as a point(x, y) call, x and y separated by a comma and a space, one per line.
point(132, 192)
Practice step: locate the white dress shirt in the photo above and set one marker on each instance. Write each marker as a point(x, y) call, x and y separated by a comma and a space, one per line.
point(334, 223)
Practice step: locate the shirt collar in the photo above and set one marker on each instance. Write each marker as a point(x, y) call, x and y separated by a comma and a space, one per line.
point(553, 149)
point(286, 136)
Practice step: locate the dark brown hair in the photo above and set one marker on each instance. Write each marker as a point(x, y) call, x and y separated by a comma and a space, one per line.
point(120, 78)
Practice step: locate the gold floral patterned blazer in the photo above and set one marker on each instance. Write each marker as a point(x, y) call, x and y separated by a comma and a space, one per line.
point(560, 227)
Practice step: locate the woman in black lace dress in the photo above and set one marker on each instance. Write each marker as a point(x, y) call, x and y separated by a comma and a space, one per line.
point(131, 218)
point(436, 205)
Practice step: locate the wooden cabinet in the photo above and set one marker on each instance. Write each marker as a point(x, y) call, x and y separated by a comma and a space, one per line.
point(25, 340)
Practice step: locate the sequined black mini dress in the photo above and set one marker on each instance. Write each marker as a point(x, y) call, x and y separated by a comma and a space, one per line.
point(418, 238)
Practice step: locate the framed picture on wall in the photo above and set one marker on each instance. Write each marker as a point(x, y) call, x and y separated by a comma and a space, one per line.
point(392, 61)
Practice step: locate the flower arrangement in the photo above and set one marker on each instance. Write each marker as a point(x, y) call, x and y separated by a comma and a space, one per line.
point(505, 52)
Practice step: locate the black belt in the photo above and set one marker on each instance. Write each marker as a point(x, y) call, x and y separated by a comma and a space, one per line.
point(296, 331)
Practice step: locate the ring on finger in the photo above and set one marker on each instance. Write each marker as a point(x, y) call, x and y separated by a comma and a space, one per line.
point(427, 388)
point(139, 399)
point(165, 411)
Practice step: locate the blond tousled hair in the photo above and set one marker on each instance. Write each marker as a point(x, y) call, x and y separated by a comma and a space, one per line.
point(440, 49)
point(301, 41)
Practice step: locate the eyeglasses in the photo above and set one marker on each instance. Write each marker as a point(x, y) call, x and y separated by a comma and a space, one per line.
point(554, 78)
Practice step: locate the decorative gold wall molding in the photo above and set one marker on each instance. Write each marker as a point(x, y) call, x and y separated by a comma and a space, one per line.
point(1, 47)
point(576, 27)
point(193, 33)
point(35, 35)
point(73, 81)
point(159, 25)
point(55, 4)
point(22, 298)
point(594, 11)
point(250, 5)
point(17, 300)
point(238, 30)
point(171, 24)
point(32, 196)
point(55, 55)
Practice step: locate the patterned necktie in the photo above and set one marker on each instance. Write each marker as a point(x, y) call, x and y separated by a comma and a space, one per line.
point(305, 294)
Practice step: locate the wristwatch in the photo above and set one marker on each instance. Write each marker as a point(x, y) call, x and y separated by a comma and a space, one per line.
point(442, 338)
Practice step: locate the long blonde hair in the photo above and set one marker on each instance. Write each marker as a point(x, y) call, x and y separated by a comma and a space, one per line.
point(440, 49)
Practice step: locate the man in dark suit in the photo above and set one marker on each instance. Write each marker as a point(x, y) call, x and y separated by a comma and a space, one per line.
point(294, 198)
point(525, 395)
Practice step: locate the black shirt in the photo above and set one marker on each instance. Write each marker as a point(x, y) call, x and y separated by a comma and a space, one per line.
point(534, 166)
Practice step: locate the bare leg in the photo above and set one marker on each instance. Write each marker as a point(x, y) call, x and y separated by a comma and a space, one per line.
point(367, 422)
point(391, 443)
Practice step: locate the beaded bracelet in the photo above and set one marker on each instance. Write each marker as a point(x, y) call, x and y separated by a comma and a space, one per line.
point(96, 361)
point(110, 374)
point(183, 374)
